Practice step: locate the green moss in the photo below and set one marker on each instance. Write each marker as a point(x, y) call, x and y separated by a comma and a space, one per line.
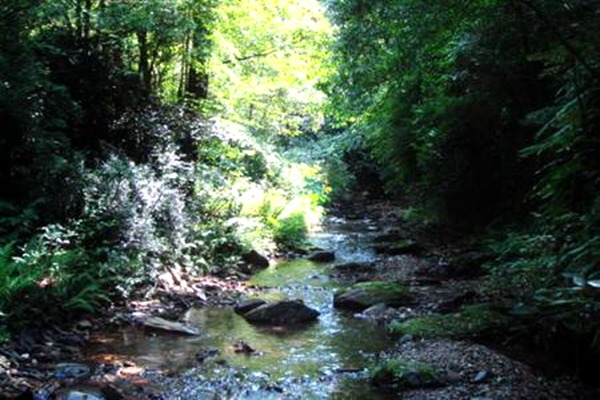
point(370, 293)
point(404, 374)
point(469, 322)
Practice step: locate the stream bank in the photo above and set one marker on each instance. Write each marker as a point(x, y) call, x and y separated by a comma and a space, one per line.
point(333, 357)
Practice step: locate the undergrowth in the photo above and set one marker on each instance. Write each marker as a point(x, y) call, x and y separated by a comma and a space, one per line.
point(470, 321)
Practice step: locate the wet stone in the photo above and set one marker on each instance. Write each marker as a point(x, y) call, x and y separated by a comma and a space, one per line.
point(246, 306)
point(379, 313)
point(84, 324)
point(282, 312)
point(72, 371)
point(367, 294)
point(161, 324)
point(482, 377)
point(79, 394)
point(406, 339)
point(205, 355)
point(353, 267)
point(242, 347)
point(256, 260)
point(322, 256)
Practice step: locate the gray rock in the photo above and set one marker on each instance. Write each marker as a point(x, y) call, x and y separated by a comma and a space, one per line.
point(246, 306)
point(407, 338)
point(367, 294)
point(482, 377)
point(375, 310)
point(255, 259)
point(322, 256)
point(379, 313)
point(164, 325)
point(282, 312)
point(353, 267)
point(206, 354)
point(79, 394)
point(72, 371)
point(85, 324)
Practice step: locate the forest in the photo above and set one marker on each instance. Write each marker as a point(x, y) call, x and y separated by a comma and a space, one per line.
point(299, 199)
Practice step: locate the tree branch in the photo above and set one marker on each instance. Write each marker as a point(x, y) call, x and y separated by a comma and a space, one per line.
point(571, 49)
point(261, 54)
point(11, 14)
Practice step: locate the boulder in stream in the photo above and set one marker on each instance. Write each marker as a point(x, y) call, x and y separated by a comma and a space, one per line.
point(322, 256)
point(379, 313)
point(366, 294)
point(282, 312)
point(256, 260)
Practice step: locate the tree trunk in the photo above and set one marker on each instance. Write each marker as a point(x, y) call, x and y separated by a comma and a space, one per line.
point(144, 65)
point(87, 15)
point(197, 83)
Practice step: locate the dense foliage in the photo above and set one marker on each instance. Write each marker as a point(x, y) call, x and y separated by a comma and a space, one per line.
point(488, 111)
point(143, 135)
point(127, 147)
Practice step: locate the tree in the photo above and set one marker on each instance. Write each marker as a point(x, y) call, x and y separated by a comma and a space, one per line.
point(267, 61)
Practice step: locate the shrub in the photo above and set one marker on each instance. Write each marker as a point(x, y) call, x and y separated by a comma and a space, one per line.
point(51, 277)
point(292, 230)
point(401, 374)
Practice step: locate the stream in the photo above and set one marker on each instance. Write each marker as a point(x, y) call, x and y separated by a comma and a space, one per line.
point(325, 359)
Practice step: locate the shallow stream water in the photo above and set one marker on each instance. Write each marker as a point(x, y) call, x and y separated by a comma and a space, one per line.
point(311, 361)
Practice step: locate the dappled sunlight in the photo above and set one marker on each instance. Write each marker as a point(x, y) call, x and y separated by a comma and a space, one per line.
point(245, 198)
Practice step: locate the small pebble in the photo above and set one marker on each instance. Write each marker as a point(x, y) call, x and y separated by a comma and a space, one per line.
point(406, 339)
point(482, 376)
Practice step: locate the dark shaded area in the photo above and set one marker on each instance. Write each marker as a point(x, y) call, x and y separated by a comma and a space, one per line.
point(486, 115)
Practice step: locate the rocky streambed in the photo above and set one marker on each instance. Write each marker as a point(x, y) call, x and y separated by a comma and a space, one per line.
point(299, 346)
point(379, 309)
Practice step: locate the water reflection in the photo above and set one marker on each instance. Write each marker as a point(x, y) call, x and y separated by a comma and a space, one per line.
point(308, 353)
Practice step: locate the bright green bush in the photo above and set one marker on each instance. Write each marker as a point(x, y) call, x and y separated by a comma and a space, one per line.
point(291, 231)
point(284, 213)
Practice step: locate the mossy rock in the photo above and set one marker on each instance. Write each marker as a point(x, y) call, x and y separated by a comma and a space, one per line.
point(471, 321)
point(366, 294)
point(285, 312)
point(398, 373)
point(400, 248)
